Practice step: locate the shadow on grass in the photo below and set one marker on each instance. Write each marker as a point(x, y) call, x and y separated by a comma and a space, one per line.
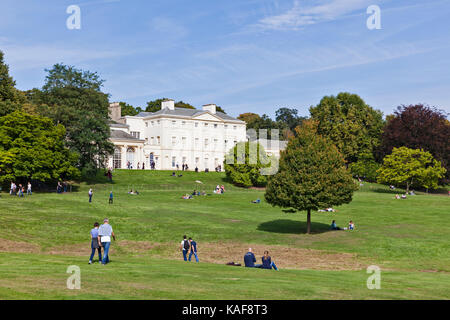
point(293, 227)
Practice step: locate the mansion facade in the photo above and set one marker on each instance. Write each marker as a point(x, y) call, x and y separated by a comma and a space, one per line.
point(173, 137)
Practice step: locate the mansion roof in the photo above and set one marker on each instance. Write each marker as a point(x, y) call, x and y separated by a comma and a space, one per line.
point(122, 135)
point(185, 112)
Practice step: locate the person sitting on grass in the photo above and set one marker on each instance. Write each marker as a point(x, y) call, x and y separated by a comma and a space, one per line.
point(267, 262)
point(249, 260)
point(256, 201)
point(403, 196)
point(397, 196)
point(334, 226)
point(186, 196)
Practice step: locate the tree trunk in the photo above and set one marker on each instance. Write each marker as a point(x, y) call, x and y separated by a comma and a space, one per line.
point(407, 187)
point(308, 222)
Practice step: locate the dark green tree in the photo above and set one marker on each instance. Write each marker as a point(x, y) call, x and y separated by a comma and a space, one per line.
point(353, 126)
point(11, 99)
point(311, 176)
point(32, 147)
point(73, 98)
point(128, 109)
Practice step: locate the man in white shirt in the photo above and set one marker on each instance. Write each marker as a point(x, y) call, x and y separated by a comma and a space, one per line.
point(104, 237)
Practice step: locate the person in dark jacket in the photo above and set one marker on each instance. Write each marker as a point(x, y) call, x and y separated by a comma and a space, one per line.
point(249, 260)
point(267, 262)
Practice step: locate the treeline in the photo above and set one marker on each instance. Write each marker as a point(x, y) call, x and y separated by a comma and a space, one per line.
point(365, 139)
point(57, 132)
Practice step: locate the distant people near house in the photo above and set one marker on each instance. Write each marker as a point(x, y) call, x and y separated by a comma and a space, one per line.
point(173, 174)
point(12, 191)
point(105, 232)
point(327, 210)
point(256, 201)
point(403, 196)
point(64, 186)
point(267, 262)
point(334, 226)
point(21, 189)
point(178, 166)
point(59, 187)
point(111, 197)
point(29, 193)
point(391, 187)
point(186, 167)
point(193, 249)
point(95, 244)
point(138, 165)
point(135, 192)
point(249, 260)
point(143, 165)
point(397, 196)
point(411, 193)
point(196, 169)
point(109, 174)
point(186, 196)
point(90, 193)
point(184, 247)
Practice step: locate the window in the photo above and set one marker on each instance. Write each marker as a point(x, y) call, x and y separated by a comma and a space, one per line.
point(117, 159)
point(173, 161)
point(197, 159)
point(183, 141)
point(146, 123)
point(152, 140)
point(215, 144)
point(184, 160)
point(215, 125)
point(159, 139)
point(196, 124)
point(153, 123)
point(158, 121)
point(206, 142)
point(174, 123)
point(135, 134)
point(146, 140)
point(174, 140)
point(183, 123)
point(234, 127)
point(226, 126)
point(206, 163)
point(206, 124)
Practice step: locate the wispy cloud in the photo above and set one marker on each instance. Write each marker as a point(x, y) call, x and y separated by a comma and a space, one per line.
point(303, 14)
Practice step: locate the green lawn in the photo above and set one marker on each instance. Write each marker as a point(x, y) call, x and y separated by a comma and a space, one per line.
point(41, 235)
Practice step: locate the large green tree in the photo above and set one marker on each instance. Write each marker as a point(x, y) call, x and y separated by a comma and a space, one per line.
point(73, 97)
point(408, 167)
point(352, 125)
point(128, 109)
point(312, 174)
point(32, 147)
point(155, 105)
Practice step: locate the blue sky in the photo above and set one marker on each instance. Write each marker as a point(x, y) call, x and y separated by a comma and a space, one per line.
point(244, 55)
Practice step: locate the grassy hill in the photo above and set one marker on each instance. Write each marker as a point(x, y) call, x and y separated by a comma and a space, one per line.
point(41, 235)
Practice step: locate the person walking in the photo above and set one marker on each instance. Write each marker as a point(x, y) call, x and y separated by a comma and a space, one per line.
point(90, 194)
point(193, 249)
point(95, 244)
point(184, 247)
point(111, 197)
point(29, 193)
point(105, 232)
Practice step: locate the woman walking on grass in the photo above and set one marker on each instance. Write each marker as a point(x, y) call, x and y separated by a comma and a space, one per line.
point(95, 245)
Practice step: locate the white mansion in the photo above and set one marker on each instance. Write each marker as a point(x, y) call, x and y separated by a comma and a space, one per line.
point(174, 136)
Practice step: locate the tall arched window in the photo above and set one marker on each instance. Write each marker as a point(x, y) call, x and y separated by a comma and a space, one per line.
point(117, 159)
point(130, 157)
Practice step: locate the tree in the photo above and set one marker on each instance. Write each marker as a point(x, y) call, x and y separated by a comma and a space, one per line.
point(419, 127)
point(11, 99)
point(155, 105)
point(243, 167)
point(128, 110)
point(311, 176)
point(254, 121)
point(73, 98)
point(405, 166)
point(289, 117)
point(32, 147)
point(353, 126)
point(366, 167)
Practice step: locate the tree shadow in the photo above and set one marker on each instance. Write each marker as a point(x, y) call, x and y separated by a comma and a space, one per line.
point(292, 226)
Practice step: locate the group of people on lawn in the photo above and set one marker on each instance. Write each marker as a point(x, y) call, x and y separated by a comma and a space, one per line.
point(101, 238)
point(19, 190)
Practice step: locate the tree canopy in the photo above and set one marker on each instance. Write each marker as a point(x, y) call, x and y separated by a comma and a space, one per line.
point(353, 126)
point(419, 127)
point(311, 176)
point(410, 167)
point(32, 147)
point(73, 97)
point(155, 105)
point(129, 110)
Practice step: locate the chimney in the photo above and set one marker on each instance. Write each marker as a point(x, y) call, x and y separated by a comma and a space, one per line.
point(115, 111)
point(210, 107)
point(168, 103)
